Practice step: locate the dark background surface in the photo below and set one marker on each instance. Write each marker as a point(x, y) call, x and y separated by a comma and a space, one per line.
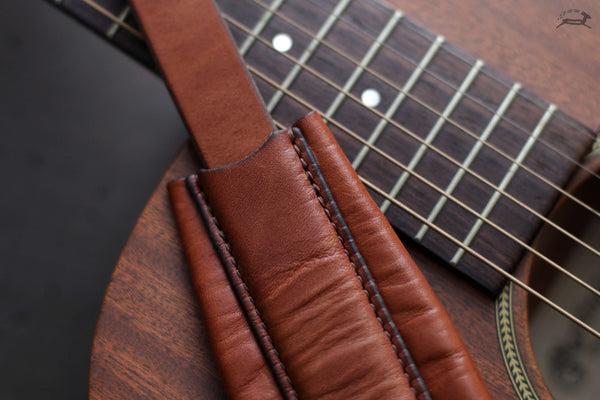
point(86, 135)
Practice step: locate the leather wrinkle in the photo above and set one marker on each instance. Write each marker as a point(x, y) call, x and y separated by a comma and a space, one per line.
point(245, 373)
point(416, 383)
point(318, 189)
point(242, 291)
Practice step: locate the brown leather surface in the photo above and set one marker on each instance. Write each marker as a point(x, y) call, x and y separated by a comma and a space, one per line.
point(245, 300)
point(242, 367)
point(206, 78)
point(301, 279)
point(438, 351)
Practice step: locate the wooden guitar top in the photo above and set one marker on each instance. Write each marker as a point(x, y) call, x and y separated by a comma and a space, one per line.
point(150, 341)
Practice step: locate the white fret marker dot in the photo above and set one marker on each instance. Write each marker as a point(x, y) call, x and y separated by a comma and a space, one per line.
point(282, 42)
point(370, 97)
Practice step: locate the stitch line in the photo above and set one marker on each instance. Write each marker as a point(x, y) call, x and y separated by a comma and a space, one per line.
point(254, 310)
point(317, 190)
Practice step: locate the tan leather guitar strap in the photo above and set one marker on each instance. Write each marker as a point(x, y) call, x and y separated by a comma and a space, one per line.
point(203, 71)
point(305, 289)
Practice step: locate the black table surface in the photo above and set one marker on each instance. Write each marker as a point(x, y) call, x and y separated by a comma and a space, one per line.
point(86, 135)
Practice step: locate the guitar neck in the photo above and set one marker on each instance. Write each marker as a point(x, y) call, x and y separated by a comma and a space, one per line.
point(459, 158)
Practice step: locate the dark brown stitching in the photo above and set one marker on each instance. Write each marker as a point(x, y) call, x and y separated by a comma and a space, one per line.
point(317, 190)
point(254, 309)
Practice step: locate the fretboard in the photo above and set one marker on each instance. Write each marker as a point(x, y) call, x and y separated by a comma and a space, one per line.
point(460, 158)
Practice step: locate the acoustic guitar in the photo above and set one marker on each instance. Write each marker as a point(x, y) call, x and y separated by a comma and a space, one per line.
point(491, 188)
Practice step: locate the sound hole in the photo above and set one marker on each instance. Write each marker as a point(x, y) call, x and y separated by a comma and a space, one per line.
point(568, 357)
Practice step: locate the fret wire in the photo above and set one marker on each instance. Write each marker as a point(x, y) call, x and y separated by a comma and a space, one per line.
point(366, 60)
point(420, 153)
point(595, 148)
point(506, 180)
point(113, 18)
point(395, 105)
point(312, 46)
point(260, 25)
point(485, 260)
point(112, 31)
point(462, 127)
point(469, 159)
point(388, 157)
point(438, 151)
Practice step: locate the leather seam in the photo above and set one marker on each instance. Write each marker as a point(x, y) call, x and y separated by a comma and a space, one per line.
point(321, 200)
point(292, 394)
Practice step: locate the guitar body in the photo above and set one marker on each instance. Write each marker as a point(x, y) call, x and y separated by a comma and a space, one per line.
point(150, 340)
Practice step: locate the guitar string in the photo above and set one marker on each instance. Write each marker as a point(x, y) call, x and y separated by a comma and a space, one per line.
point(438, 114)
point(414, 214)
point(430, 184)
point(535, 213)
point(432, 147)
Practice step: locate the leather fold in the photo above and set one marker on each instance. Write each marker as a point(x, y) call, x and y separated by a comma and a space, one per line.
point(241, 363)
point(305, 288)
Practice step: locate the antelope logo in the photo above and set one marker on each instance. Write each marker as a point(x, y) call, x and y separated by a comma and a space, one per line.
point(564, 20)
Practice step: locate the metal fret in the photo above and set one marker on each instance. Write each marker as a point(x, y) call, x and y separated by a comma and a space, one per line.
point(412, 80)
point(310, 49)
point(372, 52)
point(260, 25)
point(469, 159)
point(433, 133)
point(110, 16)
point(112, 31)
point(505, 181)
